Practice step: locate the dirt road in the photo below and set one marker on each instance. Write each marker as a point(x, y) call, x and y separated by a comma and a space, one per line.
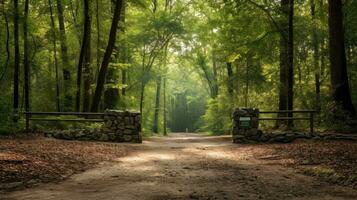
point(187, 166)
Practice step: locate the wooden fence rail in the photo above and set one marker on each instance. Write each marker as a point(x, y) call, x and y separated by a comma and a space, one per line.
point(86, 117)
point(310, 116)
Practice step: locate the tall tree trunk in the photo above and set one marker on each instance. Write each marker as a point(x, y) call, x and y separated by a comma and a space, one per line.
point(286, 60)
point(87, 72)
point(16, 61)
point(97, 3)
point(157, 105)
point(26, 59)
point(142, 92)
point(215, 75)
point(7, 44)
point(65, 62)
point(165, 109)
point(74, 17)
point(112, 93)
point(124, 52)
point(207, 75)
point(315, 44)
point(236, 81)
point(124, 78)
point(143, 82)
point(339, 79)
point(54, 39)
point(230, 84)
point(107, 55)
point(291, 62)
point(83, 56)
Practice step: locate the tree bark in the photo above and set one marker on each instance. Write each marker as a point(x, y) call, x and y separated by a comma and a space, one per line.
point(230, 84)
point(54, 39)
point(142, 93)
point(7, 44)
point(74, 17)
point(98, 37)
point(65, 62)
point(124, 52)
point(215, 75)
point(157, 105)
point(286, 61)
point(112, 92)
point(315, 44)
point(26, 59)
point(16, 61)
point(165, 109)
point(291, 62)
point(339, 79)
point(208, 75)
point(107, 55)
point(87, 72)
point(143, 81)
point(84, 60)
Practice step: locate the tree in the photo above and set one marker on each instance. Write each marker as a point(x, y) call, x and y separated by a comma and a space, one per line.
point(124, 53)
point(230, 83)
point(26, 59)
point(87, 72)
point(339, 79)
point(315, 43)
point(84, 59)
point(165, 109)
point(112, 91)
point(157, 105)
point(208, 74)
point(65, 60)
point(291, 61)
point(54, 39)
point(286, 95)
point(16, 60)
point(108, 52)
point(7, 43)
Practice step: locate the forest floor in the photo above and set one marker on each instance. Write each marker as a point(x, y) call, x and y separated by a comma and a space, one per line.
point(28, 161)
point(188, 166)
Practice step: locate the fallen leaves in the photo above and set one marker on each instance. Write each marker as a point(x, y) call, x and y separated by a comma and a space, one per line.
point(334, 161)
point(43, 160)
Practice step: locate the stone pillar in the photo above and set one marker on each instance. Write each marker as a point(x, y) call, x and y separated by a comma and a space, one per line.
point(245, 125)
point(123, 126)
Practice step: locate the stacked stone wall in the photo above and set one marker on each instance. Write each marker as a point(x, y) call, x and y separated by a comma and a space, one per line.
point(122, 126)
point(119, 126)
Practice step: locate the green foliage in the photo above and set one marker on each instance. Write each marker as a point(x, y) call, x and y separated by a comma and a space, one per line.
point(188, 43)
point(218, 116)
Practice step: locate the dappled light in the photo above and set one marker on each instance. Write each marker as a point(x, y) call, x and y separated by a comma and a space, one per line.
point(178, 99)
point(212, 168)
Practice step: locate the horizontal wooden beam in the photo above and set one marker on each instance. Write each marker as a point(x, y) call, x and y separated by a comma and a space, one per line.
point(286, 118)
point(64, 113)
point(71, 120)
point(287, 111)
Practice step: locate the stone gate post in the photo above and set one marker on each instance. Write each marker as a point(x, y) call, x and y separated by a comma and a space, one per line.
point(245, 125)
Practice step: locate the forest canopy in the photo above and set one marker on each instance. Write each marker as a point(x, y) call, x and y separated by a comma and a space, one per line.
point(184, 64)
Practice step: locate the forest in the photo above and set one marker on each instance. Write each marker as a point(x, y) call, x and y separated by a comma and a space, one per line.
point(183, 64)
point(178, 99)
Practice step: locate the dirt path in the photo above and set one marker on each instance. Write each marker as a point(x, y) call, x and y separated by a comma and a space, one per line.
point(187, 166)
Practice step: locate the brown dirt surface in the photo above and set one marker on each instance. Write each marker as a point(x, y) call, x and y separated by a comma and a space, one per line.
point(28, 161)
point(190, 166)
point(332, 161)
